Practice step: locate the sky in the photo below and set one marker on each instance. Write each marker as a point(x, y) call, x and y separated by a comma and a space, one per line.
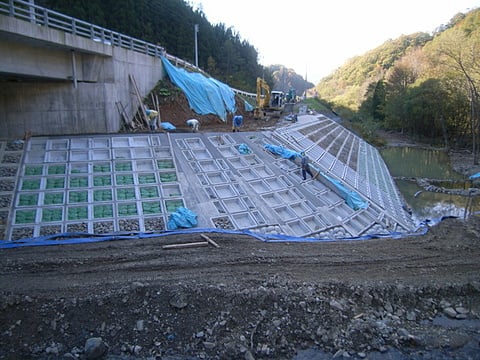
point(315, 37)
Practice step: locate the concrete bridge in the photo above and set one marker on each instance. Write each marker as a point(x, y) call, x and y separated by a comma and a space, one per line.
point(63, 76)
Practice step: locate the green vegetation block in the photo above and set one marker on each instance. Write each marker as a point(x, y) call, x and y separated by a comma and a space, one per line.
point(78, 196)
point(49, 215)
point(173, 205)
point(102, 211)
point(76, 182)
point(77, 213)
point(31, 184)
point(33, 170)
point(102, 180)
point(147, 179)
point(53, 199)
point(123, 166)
point(102, 195)
point(151, 208)
point(25, 216)
point(125, 194)
point(101, 168)
point(165, 164)
point(56, 169)
point(148, 192)
point(28, 200)
point(124, 179)
point(168, 177)
point(55, 183)
point(127, 209)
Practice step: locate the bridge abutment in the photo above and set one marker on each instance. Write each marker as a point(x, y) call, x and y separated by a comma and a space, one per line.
point(56, 83)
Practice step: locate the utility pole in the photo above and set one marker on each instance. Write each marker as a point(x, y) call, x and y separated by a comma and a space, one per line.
point(196, 45)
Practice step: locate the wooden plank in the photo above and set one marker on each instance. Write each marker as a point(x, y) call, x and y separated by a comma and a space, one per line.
point(185, 245)
point(158, 109)
point(210, 241)
point(123, 114)
point(139, 98)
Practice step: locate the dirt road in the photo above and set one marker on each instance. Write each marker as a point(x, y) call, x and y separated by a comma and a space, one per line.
point(245, 299)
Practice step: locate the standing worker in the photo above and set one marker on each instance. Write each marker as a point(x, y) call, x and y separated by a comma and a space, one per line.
point(237, 122)
point(193, 123)
point(305, 167)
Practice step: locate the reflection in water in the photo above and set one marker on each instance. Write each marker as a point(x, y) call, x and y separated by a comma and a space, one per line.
point(432, 164)
point(415, 162)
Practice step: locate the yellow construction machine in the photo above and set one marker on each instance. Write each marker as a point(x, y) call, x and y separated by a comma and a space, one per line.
point(269, 103)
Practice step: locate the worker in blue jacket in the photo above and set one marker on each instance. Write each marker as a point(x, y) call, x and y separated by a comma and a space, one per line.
point(237, 122)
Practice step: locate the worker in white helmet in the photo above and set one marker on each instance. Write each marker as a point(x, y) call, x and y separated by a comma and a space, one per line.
point(193, 123)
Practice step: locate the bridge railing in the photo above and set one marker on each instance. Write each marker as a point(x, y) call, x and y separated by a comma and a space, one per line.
point(28, 11)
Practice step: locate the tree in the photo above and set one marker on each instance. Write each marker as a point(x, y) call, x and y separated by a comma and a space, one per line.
point(457, 52)
point(398, 79)
point(378, 101)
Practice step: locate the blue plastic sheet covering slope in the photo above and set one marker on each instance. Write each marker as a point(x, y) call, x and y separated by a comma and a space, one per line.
point(282, 151)
point(228, 96)
point(204, 95)
point(352, 199)
point(248, 106)
point(85, 238)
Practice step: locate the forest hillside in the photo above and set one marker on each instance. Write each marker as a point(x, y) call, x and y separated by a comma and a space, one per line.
point(423, 85)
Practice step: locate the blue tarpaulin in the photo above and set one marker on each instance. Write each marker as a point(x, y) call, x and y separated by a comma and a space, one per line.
point(282, 151)
point(165, 125)
point(248, 106)
point(85, 238)
point(182, 218)
point(352, 198)
point(475, 176)
point(244, 149)
point(205, 95)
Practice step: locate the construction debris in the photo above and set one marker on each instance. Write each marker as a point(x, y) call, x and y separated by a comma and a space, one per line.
point(210, 241)
point(185, 245)
point(192, 244)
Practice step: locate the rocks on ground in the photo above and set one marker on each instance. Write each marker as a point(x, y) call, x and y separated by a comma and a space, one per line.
point(273, 320)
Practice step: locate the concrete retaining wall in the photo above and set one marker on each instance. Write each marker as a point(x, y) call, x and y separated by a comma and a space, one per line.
point(38, 93)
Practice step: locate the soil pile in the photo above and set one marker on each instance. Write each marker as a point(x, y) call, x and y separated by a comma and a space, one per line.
point(175, 109)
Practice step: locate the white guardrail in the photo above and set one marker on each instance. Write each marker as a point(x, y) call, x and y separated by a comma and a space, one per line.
point(28, 11)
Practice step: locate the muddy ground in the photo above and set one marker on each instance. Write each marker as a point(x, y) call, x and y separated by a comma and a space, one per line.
point(416, 297)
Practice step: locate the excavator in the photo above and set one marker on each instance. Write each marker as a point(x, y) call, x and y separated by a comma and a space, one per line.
point(269, 103)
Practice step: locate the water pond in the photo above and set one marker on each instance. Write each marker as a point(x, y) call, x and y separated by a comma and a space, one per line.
point(412, 162)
